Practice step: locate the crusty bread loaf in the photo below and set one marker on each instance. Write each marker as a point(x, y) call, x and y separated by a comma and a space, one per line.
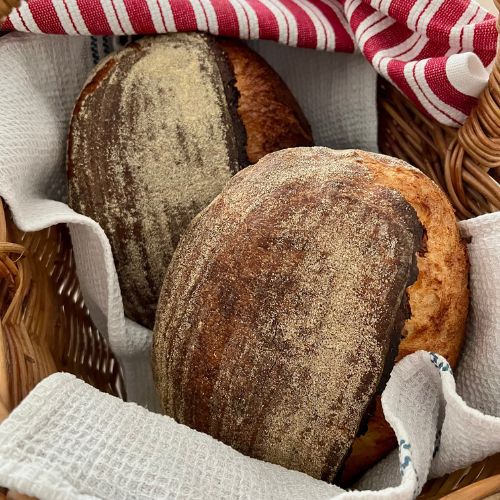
point(156, 132)
point(438, 300)
point(285, 302)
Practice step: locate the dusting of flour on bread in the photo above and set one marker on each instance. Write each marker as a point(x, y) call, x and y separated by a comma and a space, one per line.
point(151, 146)
point(283, 305)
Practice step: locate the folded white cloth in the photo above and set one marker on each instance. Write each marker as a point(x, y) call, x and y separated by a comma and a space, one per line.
point(68, 441)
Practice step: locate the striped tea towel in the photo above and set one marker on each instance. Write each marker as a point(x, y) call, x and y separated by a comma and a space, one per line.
point(437, 52)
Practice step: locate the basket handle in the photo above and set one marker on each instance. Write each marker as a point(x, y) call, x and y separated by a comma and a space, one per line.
point(477, 491)
point(473, 157)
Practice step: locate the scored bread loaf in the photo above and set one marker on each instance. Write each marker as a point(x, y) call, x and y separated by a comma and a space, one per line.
point(158, 129)
point(288, 297)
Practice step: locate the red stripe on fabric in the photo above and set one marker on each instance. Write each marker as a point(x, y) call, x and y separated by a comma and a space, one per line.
point(22, 20)
point(429, 101)
point(204, 13)
point(421, 14)
point(324, 28)
point(432, 49)
point(287, 41)
point(247, 19)
point(227, 18)
point(360, 13)
point(392, 36)
point(287, 29)
point(396, 35)
point(94, 17)
point(184, 16)
point(7, 26)
point(306, 31)
point(485, 40)
point(343, 40)
point(162, 16)
point(395, 70)
point(117, 16)
point(45, 16)
point(140, 16)
point(437, 79)
point(268, 24)
point(399, 10)
point(359, 35)
point(70, 17)
point(461, 43)
point(443, 21)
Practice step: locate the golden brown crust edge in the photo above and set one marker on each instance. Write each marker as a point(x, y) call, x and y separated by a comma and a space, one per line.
point(270, 114)
point(439, 298)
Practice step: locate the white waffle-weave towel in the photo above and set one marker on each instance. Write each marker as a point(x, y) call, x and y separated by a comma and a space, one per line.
point(69, 441)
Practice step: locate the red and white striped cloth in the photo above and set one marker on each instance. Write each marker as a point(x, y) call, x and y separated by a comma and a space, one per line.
point(437, 52)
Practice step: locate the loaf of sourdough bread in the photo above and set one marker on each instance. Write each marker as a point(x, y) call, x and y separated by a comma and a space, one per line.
point(157, 131)
point(291, 295)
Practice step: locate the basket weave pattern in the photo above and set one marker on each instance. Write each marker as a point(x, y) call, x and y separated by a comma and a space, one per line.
point(45, 326)
point(480, 480)
point(465, 162)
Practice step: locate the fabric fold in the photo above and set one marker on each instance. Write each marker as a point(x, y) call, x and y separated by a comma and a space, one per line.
point(67, 440)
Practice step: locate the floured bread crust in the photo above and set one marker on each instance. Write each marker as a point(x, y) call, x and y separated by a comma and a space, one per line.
point(155, 135)
point(439, 299)
point(151, 144)
point(283, 306)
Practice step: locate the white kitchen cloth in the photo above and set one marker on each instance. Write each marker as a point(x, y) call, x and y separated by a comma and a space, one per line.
point(67, 440)
point(40, 80)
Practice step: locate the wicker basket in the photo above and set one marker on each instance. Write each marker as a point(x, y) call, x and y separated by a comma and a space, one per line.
point(465, 162)
point(45, 326)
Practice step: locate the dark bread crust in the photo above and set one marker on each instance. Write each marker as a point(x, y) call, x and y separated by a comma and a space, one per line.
point(131, 198)
point(280, 306)
point(119, 161)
